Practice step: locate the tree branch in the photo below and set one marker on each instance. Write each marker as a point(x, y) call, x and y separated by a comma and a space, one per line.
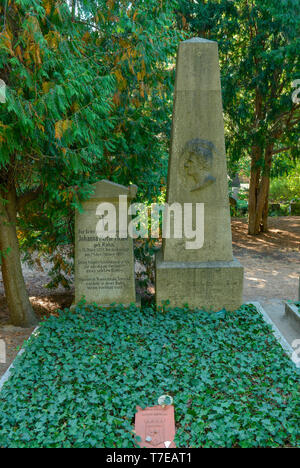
point(280, 150)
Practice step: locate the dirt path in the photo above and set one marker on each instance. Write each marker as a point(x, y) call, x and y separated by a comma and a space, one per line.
point(271, 262)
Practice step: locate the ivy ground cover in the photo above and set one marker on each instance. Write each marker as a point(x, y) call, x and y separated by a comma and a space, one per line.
point(82, 375)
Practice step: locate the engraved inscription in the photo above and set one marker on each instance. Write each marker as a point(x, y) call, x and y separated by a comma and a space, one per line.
point(104, 264)
point(154, 431)
point(103, 269)
point(155, 426)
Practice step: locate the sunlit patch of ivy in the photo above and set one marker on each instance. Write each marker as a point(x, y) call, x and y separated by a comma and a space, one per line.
point(82, 376)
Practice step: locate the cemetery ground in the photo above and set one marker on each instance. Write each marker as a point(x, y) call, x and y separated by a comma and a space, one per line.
point(83, 374)
point(250, 386)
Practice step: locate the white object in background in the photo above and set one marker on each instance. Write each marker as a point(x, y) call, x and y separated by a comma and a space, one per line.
point(165, 400)
point(2, 352)
point(2, 92)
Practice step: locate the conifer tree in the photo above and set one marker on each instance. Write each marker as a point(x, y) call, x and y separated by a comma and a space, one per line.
point(82, 79)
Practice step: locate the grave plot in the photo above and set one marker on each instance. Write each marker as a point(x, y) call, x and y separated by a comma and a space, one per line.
point(83, 374)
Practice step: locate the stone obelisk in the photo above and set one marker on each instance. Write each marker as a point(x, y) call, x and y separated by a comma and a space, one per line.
point(207, 277)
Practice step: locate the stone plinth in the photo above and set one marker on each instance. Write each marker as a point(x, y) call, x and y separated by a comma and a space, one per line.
point(209, 285)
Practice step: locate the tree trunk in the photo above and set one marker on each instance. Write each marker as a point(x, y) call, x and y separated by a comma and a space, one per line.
point(264, 225)
point(253, 189)
point(21, 312)
point(259, 194)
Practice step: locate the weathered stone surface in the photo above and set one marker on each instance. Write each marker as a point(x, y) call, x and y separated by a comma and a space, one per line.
point(293, 315)
point(209, 285)
point(198, 174)
point(104, 268)
point(2, 352)
point(198, 118)
point(2, 92)
point(236, 182)
point(155, 426)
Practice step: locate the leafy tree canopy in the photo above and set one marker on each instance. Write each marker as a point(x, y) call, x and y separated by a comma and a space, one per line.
point(259, 52)
point(83, 78)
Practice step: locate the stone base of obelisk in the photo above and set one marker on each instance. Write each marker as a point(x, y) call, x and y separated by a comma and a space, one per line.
point(209, 286)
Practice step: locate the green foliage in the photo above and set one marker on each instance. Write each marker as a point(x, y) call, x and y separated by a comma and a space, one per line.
point(82, 375)
point(4, 254)
point(259, 56)
point(259, 53)
point(139, 43)
point(240, 209)
point(282, 165)
point(88, 97)
point(56, 104)
point(286, 188)
point(56, 119)
point(282, 210)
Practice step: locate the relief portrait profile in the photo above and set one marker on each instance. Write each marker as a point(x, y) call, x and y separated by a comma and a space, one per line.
point(197, 157)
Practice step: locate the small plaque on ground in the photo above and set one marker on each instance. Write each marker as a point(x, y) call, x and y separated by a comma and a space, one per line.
point(155, 427)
